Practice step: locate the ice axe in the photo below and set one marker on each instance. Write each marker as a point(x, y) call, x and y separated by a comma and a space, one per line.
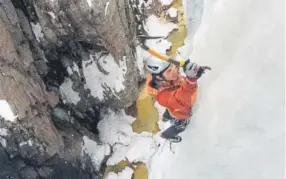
point(162, 57)
point(180, 63)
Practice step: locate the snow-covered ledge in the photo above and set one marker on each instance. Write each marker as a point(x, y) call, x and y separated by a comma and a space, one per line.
point(6, 111)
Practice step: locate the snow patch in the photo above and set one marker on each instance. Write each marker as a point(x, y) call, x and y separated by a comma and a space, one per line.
point(75, 67)
point(6, 112)
point(141, 148)
point(3, 142)
point(69, 70)
point(29, 142)
point(157, 161)
point(3, 132)
point(162, 125)
point(166, 2)
point(37, 29)
point(52, 14)
point(112, 78)
point(145, 3)
point(125, 174)
point(95, 151)
point(119, 154)
point(89, 2)
point(67, 93)
point(140, 60)
point(106, 7)
point(159, 27)
point(116, 128)
point(72, 69)
point(172, 12)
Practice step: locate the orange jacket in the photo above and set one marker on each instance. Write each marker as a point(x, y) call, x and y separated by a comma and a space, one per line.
point(177, 96)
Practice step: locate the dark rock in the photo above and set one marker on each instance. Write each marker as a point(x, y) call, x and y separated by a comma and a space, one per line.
point(7, 171)
point(42, 67)
point(18, 163)
point(61, 118)
point(131, 110)
point(29, 173)
point(45, 172)
point(67, 171)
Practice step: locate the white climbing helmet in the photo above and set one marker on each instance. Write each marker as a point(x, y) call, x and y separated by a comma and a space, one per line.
point(156, 66)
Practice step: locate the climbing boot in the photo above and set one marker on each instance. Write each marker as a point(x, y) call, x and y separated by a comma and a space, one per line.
point(175, 139)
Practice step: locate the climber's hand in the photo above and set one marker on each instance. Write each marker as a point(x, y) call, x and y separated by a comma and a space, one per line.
point(192, 70)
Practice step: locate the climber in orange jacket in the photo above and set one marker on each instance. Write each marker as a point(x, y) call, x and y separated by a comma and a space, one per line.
point(175, 92)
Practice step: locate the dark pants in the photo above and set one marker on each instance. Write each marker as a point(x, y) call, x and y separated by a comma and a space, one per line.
point(178, 126)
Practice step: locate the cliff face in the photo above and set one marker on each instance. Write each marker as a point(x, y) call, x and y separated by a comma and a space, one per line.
point(53, 75)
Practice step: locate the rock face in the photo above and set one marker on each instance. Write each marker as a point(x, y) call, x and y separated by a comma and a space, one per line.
point(21, 85)
point(73, 30)
point(25, 155)
point(47, 48)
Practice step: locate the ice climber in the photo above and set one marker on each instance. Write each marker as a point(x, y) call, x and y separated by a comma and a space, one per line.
point(176, 92)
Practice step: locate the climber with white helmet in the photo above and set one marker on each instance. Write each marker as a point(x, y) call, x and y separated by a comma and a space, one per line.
point(174, 92)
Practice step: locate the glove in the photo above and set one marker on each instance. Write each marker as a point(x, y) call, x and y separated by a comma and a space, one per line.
point(192, 70)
